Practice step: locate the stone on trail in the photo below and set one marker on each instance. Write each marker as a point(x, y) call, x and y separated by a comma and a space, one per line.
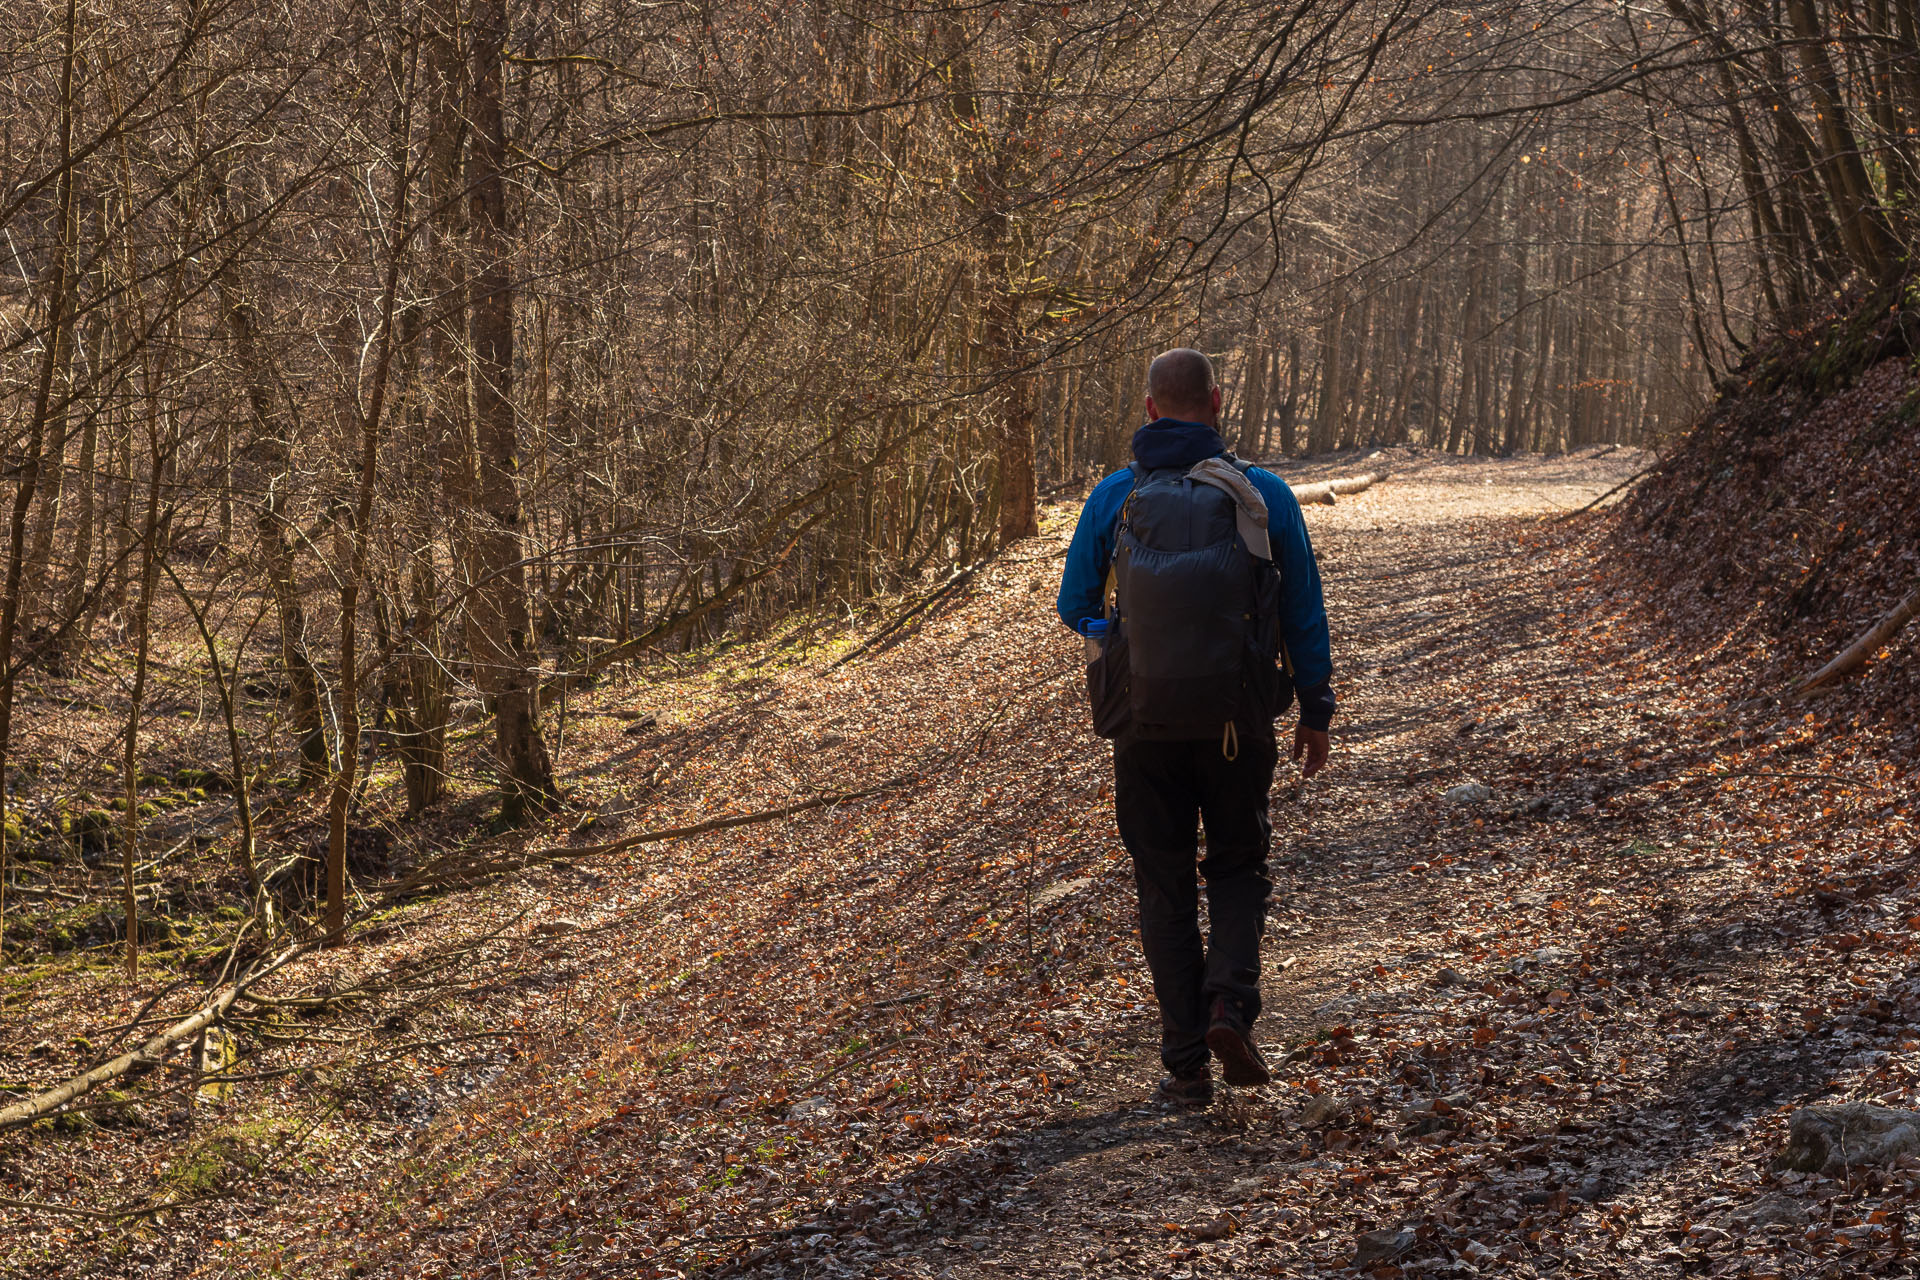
point(1852, 1134)
point(1469, 792)
point(555, 927)
point(1323, 1108)
point(1218, 1228)
point(809, 1109)
point(1061, 889)
point(1774, 1211)
point(1382, 1246)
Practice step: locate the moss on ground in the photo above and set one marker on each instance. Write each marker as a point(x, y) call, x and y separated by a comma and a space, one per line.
point(224, 1160)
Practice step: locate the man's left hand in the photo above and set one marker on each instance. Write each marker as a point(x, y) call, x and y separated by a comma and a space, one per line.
point(1312, 744)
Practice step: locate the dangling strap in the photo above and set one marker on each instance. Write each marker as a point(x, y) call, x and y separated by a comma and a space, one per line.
point(1113, 557)
point(1230, 743)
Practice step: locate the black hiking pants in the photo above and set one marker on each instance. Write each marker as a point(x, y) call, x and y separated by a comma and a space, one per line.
point(1162, 792)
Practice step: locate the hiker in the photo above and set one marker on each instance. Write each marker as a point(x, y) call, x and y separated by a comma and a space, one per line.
point(1191, 576)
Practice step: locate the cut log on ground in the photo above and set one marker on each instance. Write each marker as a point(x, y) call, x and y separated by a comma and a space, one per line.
point(1323, 492)
point(1870, 642)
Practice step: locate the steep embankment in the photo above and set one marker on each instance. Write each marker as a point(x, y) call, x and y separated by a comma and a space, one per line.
point(1788, 521)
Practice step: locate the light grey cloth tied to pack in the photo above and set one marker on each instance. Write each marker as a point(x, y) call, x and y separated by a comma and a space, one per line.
point(1250, 509)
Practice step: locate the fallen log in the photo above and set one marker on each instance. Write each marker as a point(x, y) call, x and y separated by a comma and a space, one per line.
point(945, 591)
point(151, 1052)
point(1871, 641)
point(1323, 492)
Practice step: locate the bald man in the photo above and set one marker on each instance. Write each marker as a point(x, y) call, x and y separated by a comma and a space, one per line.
point(1209, 994)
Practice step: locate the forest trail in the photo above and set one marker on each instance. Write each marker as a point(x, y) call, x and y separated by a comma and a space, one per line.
point(912, 1036)
point(1431, 603)
point(1427, 599)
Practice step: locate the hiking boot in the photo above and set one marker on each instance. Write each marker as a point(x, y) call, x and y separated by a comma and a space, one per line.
point(1192, 1091)
point(1227, 1037)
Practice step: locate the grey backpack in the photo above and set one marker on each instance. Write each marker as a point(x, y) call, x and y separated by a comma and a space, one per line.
point(1193, 612)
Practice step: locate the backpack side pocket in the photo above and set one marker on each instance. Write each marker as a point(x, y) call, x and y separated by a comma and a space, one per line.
point(1109, 686)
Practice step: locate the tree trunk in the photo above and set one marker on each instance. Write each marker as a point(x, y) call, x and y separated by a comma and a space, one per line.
point(272, 526)
point(58, 292)
point(505, 657)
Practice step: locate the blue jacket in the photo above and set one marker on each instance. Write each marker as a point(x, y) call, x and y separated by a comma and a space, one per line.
point(1169, 442)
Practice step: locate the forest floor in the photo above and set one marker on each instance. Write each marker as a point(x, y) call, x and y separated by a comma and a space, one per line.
point(1553, 1032)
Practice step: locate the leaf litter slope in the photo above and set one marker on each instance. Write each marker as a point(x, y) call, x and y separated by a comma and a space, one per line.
point(911, 1036)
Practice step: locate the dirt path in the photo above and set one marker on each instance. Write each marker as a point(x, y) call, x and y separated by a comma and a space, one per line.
point(1431, 604)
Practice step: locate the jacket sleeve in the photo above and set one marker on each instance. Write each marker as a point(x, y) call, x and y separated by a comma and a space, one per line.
point(1084, 582)
point(1303, 612)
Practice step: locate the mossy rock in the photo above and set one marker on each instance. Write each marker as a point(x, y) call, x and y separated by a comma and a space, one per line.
point(59, 938)
point(221, 1162)
point(66, 1122)
point(96, 830)
point(204, 779)
point(155, 780)
point(158, 932)
point(14, 834)
point(229, 912)
point(185, 798)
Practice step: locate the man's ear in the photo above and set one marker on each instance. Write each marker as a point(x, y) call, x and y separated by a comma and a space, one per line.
point(1153, 412)
point(1217, 400)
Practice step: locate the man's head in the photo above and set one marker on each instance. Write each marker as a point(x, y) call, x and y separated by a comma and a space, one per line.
point(1180, 385)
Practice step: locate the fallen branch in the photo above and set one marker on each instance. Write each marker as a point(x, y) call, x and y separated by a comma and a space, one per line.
point(1323, 492)
point(730, 820)
point(598, 662)
point(878, 1051)
point(151, 1052)
point(1833, 778)
point(1870, 642)
point(946, 590)
point(1609, 493)
point(775, 1233)
point(99, 1215)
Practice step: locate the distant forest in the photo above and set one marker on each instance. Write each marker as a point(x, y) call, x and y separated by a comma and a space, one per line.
point(365, 357)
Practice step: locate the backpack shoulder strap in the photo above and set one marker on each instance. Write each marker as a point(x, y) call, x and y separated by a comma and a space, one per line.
point(1119, 523)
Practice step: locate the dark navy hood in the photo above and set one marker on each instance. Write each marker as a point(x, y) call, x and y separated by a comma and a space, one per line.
point(1169, 442)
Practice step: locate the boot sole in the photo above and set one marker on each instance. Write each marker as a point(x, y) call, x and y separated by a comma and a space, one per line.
point(1238, 1066)
point(1184, 1104)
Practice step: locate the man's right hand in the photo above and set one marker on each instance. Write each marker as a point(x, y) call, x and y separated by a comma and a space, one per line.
point(1314, 746)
